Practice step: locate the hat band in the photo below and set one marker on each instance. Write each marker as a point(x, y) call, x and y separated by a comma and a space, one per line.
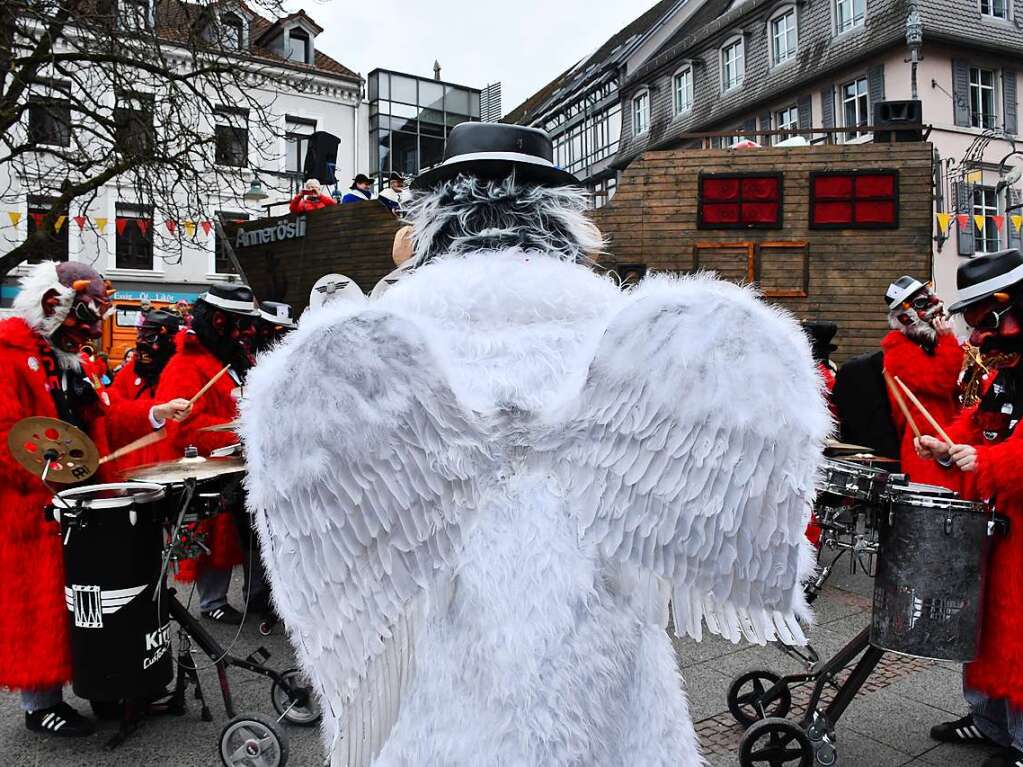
point(991, 285)
point(286, 321)
point(505, 156)
point(229, 304)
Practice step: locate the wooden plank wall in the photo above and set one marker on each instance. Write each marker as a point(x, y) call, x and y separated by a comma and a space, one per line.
point(652, 221)
point(353, 239)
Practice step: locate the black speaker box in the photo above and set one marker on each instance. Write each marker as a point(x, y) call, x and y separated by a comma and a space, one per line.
point(898, 121)
point(321, 157)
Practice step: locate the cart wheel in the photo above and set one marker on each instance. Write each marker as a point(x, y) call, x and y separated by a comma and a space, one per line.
point(746, 698)
point(775, 743)
point(300, 705)
point(253, 740)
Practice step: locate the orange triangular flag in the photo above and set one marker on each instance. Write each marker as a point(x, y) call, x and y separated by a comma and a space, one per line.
point(963, 220)
point(1017, 221)
point(101, 223)
point(943, 220)
point(189, 227)
point(143, 225)
point(81, 220)
point(59, 223)
point(15, 216)
point(120, 223)
point(979, 221)
point(171, 225)
point(206, 226)
point(999, 222)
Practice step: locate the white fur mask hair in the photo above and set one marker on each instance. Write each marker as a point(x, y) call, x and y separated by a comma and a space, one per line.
point(467, 215)
point(28, 304)
point(920, 330)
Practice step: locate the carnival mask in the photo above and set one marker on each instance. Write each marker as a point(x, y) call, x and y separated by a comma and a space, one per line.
point(996, 323)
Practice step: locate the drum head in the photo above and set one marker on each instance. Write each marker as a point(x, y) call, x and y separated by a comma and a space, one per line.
point(112, 496)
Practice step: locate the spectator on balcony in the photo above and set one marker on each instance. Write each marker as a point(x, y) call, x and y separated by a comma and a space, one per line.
point(312, 197)
point(393, 196)
point(360, 191)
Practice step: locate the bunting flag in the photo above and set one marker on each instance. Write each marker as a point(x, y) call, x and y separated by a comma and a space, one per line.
point(37, 219)
point(171, 225)
point(999, 222)
point(80, 220)
point(1017, 221)
point(143, 225)
point(208, 225)
point(59, 223)
point(15, 217)
point(120, 223)
point(974, 177)
point(189, 227)
point(100, 224)
point(978, 221)
point(963, 220)
point(943, 220)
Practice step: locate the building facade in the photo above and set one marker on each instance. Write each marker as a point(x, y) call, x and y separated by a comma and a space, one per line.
point(147, 256)
point(490, 103)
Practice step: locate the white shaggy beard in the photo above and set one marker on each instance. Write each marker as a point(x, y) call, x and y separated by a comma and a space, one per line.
point(918, 330)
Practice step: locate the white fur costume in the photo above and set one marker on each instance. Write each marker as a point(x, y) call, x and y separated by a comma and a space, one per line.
point(476, 495)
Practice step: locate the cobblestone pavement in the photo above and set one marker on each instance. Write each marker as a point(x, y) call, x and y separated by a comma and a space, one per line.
point(885, 726)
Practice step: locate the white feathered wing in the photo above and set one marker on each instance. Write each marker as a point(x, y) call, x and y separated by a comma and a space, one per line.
point(692, 452)
point(360, 461)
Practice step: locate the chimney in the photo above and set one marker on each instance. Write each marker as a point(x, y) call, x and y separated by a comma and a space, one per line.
point(436, 69)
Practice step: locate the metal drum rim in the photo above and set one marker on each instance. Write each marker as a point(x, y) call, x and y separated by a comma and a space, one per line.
point(918, 501)
point(66, 499)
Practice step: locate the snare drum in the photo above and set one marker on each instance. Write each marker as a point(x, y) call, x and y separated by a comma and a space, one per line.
point(929, 587)
point(120, 635)
point(852, 480)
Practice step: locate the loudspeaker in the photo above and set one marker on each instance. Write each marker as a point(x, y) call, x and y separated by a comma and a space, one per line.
point(321, 157)
point(898, 121)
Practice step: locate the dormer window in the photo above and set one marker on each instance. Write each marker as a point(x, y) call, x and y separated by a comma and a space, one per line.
point(732, 64)
point(233, 32)
point(299, 46)
point(134, 14)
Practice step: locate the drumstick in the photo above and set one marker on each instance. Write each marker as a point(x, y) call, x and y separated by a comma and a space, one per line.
point(897, 396)
point(923, 411)
point(209, 385)
point(131, 447)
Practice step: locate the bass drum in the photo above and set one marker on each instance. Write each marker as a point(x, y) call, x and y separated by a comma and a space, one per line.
point(120, 632)
point(932, 563)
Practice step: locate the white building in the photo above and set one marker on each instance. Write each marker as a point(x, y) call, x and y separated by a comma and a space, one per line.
point(116, 232)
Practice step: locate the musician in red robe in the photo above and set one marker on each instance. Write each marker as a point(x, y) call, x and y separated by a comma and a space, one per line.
point(58, 310)
point(988, 454)
point(221, 334)
point(922, 351)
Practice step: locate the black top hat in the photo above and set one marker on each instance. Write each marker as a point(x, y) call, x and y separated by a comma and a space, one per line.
point(979, 277)
point(231, 297)
point(901, 289)
point(820, 333)
point(494, 151)
point(277, 313)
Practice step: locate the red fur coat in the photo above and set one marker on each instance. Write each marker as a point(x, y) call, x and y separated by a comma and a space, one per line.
point(130, 403)
point(998, 671)
point(186, 373)
point(933, 379)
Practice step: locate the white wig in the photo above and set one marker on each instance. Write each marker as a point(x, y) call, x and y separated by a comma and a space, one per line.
point(28, 305)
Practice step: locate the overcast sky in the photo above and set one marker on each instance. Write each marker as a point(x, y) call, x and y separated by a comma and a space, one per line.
point(524, 44)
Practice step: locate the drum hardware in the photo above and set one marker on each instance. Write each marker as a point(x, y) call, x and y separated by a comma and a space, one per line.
point(190, 467)
point(227, 450)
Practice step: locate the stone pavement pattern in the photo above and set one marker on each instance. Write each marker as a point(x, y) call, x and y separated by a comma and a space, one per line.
point(886, 725)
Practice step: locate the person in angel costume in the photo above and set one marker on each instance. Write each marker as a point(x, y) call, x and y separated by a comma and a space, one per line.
point(477, 494)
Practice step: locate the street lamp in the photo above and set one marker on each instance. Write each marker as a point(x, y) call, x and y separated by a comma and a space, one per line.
point(255, 195)
point(914, 39)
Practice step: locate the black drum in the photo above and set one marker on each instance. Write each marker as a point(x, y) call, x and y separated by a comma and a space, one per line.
point(929, 587)
point(113, 543)
point(846, 479)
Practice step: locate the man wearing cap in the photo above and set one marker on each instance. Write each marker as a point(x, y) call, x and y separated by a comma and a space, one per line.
point(988, 452)
point(922, 351)
point(222, 334)
point(275, 321)
point(360, 190)
point(310, 198)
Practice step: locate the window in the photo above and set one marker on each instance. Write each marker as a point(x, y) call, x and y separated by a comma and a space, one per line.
point(641, 113)
point(133, 124)
point(996, 9)
point(298, 46)
point(134, 237)
point(985, 203)
point(783, 37)
point(740, 201)
point(134, 14)
point(233, 32)
point(855, 106)
point(49, 121)
point(982, 98)
point(232, 137)
point(731, 64)
point(54, 245)
point(296, 143)
point(221, 262)
point(603, 191)
point(785, 119)
point(683, 91)
point(860, 200)
point(848, 14)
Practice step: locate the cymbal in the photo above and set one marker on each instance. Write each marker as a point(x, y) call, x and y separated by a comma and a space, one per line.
point(234, 425)
point(869, 458)
point(176, 472)
point(834, 444)
point(73, 454)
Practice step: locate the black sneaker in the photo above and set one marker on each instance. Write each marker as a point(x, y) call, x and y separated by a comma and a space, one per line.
point(1010, 757)
point(61, 721)
point(225, 614)
point(960, 731)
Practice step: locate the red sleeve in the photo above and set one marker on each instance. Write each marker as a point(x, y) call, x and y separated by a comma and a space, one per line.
point(12, 475)
point(127, 420)
point(923, 373)
point(184, 381)
point(1000, 471)
point(327, 200)
point(297, 204)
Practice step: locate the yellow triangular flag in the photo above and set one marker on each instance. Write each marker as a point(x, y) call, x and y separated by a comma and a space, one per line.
point(15, 216)
point(943, 219)
point(189, 227)
point(101, 223)
point(1017, 221)
point(59, 223)
point(974, 177)
point(979, 221)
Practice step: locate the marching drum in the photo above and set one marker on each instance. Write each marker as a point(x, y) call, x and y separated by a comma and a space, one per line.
point(929, 587)
point(113, 542)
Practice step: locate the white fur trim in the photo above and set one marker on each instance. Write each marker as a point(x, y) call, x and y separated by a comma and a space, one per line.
point(28, 304)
